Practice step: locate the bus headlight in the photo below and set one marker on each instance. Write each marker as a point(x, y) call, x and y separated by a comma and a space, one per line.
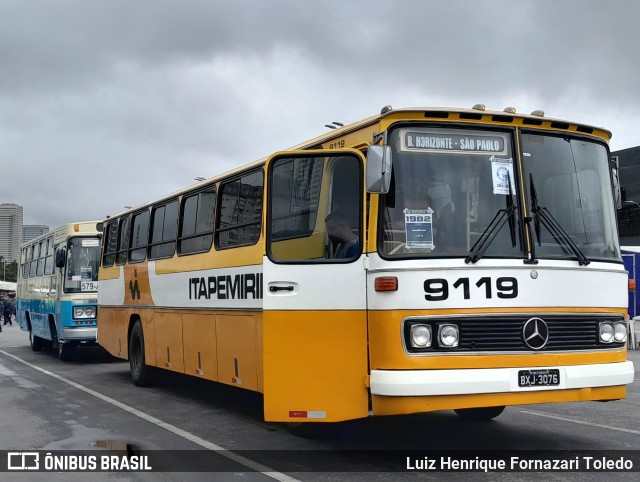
point(83, 312)
point(620, 332)
point(606, 333)
point(420, 336)
point(448, 336)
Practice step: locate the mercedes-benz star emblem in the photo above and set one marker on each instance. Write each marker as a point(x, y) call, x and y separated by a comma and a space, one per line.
point(535, 333)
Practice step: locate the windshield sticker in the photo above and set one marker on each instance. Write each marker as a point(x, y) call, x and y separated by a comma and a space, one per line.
point(451, 142)
point(418, 226)
point(87, 243)
point(501, 171)
point(85, 273)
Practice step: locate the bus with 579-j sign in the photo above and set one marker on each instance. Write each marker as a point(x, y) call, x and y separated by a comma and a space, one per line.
point(421, 259)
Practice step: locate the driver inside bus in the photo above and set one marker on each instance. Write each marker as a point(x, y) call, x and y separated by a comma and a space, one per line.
point(345, 243)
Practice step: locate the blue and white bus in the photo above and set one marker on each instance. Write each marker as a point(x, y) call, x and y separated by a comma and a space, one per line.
point(57, 288)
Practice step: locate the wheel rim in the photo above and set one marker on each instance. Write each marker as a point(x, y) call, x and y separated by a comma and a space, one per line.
point(136, 354)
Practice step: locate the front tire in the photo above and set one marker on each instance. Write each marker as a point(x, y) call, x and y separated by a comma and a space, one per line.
point(141, 373)
point(66, 351)
point(479, 414)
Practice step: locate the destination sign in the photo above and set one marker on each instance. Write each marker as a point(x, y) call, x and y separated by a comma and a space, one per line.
point(453, 142)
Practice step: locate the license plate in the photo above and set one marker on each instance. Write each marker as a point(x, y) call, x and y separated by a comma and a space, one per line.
point(539, 378)
point(88, 286)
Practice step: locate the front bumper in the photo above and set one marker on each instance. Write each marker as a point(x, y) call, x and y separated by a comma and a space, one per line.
point(79, 334)
point(416, 383)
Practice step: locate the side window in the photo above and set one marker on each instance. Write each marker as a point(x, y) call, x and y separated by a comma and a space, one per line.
point(123, 241)
point(33, 262)
point(315, 205)
point(163, 230)
point(196, 221)
point(41, 253)
point(295, 185)
point(27, 259)
point(240, 211)
point(48, 264)
point(139, 236)
point(109, 255)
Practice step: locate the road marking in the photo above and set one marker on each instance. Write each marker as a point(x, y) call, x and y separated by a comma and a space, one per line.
point(580, 422)
point(263, 469)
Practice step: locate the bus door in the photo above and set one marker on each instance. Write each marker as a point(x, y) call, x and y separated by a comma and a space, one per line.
point(314, 325)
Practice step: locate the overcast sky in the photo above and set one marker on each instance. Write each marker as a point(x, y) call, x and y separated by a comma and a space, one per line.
point(112, 103)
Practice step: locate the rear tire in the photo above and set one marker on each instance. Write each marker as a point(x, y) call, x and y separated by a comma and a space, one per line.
point(141, 373)
point(37, 343)
point(479, 414)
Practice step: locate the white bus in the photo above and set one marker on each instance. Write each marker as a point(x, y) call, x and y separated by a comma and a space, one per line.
point(57, 288)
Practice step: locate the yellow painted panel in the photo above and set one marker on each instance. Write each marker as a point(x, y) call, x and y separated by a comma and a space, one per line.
point(226, 258)
point(199, 335)
point(387, 352)
point(259, 351)
point(149, 330)
point(167, 326)
point(236, 346)
point(315, 362)
point(300, 248)
point(405, 405)
point(107, 331)
point(112, 272)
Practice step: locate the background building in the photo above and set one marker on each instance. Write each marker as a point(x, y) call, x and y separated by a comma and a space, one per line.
point(629, 215)
point(32, 231)
point(10, 231)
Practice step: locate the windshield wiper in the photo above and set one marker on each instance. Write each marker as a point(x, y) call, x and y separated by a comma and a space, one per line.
point(494, 227)
point(543, 217)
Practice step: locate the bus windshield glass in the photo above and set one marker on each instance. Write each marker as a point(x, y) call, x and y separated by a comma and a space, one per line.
point(568, 181)
point(448, 185)
point(83, 258)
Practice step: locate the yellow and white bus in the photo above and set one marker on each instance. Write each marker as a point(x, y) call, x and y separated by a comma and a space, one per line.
point(57, 289)
point(421, 259)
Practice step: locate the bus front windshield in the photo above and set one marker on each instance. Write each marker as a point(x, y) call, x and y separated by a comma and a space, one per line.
point(568, 183)
point(81, 271)
point(453, 189)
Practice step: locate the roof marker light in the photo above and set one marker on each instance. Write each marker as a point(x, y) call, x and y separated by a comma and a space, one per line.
point(509, 110)
point(538, 113)
point(479, 107)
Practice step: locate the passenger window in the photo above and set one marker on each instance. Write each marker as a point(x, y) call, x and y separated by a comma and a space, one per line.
point(139, 236)
point(196, 226)
point(109, 256)
point(163, 231)
point(123, 241)
point(240, 211)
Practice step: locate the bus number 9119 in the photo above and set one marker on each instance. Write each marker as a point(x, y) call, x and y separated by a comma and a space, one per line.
point(437, 289)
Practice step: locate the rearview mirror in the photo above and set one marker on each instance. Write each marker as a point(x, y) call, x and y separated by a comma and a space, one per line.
point(379, 169)
point(615, 176)
point(61, 258)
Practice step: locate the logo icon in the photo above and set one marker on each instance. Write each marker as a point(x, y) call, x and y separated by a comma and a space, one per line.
point(502, 173)
point(23, 461)
point(133, 286)
point(535, 333)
